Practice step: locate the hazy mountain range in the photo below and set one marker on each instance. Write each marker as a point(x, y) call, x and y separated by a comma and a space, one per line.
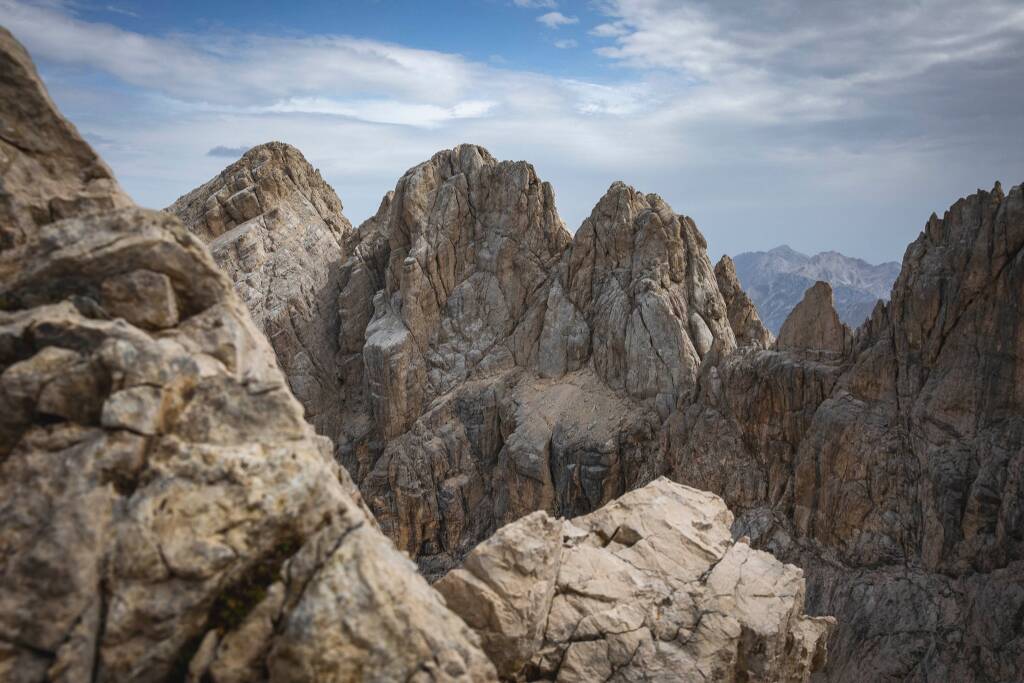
point(776, 281)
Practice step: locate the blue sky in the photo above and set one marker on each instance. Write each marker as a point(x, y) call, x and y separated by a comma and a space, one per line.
point(821, 124)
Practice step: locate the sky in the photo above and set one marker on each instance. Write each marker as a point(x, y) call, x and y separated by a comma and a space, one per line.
point(815, 123)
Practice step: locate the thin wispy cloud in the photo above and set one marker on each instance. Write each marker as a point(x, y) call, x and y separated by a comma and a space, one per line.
point(566, 44)
point(535, 4)
point(122, 11)
point(239, 68)
point(609, 30)
point(556, 19)
point(228, 152)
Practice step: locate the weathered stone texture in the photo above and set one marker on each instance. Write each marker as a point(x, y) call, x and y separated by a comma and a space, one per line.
point(165, 512)
point(49, 171)
point(890, 472)
point(743, 317)
point(649, 587)
point(277, 229)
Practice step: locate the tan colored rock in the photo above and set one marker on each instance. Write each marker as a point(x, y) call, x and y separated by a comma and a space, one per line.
point(48, 171)
point(888, 472)
point(814, 325)
point(649, 587)
point(278, 231)
point(142, 297)
point(504, 589)
point(195, 490)
point(165, 512)
point(743, 317)
point(641, 277)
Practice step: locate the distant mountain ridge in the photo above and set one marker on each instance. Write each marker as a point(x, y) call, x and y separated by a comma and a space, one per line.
point(776, 281)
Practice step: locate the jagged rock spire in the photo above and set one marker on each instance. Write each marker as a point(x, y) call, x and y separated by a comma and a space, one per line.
point(814, 325)
point(743, 316)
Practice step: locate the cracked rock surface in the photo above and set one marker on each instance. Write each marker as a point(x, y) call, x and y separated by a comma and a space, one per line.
point(492, 366)
point(743, 317)
point(650, 587)
point(49, 171)
point(891, 471)
point(278, 231)
point(478, 363)
point(813, 325)
point(165, 512)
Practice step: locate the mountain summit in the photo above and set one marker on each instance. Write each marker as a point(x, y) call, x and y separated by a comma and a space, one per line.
point(776, 281)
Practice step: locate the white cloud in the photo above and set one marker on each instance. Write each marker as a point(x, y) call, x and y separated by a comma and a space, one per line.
point(383, 111)
point(612, 30)
point(237, 69)
point(122, 11)
point(855, 42)
point(556, 19)
point(535, 4)
point(629, 100)
point(566, 44)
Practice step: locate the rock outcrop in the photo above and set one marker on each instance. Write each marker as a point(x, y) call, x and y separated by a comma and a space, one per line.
point(486, 363)
point(649, 587)
point(641, 277)
point(743, 317)
point(49, 171)
point(891, 473)
point(492, 366)
point(814, 325)
point(165, 512)
point(528, 372)
point(277, 229)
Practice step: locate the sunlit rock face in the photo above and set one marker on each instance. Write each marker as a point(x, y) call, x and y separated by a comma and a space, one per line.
point(478, 363)
point(648, 587)
point(277, 229)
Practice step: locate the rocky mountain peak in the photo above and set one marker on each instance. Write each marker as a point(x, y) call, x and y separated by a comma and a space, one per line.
point(641, 278)
point(743, 317)
point(165, 511)
point(262, 178)
point(814, 324)
point(277, 229)
point(489, 365)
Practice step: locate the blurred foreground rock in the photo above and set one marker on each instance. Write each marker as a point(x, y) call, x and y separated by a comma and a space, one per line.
point(165, 512)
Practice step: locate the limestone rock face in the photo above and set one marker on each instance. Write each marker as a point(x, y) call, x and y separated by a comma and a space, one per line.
point(495, 366)
point(277, 229)
point(743, 318)
point(641, 278)
point(471, 243)
point(471, 360)
point(889, 471)
point(49, 171)
point(814, 325)
point(165, 512)
point(649, 587)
